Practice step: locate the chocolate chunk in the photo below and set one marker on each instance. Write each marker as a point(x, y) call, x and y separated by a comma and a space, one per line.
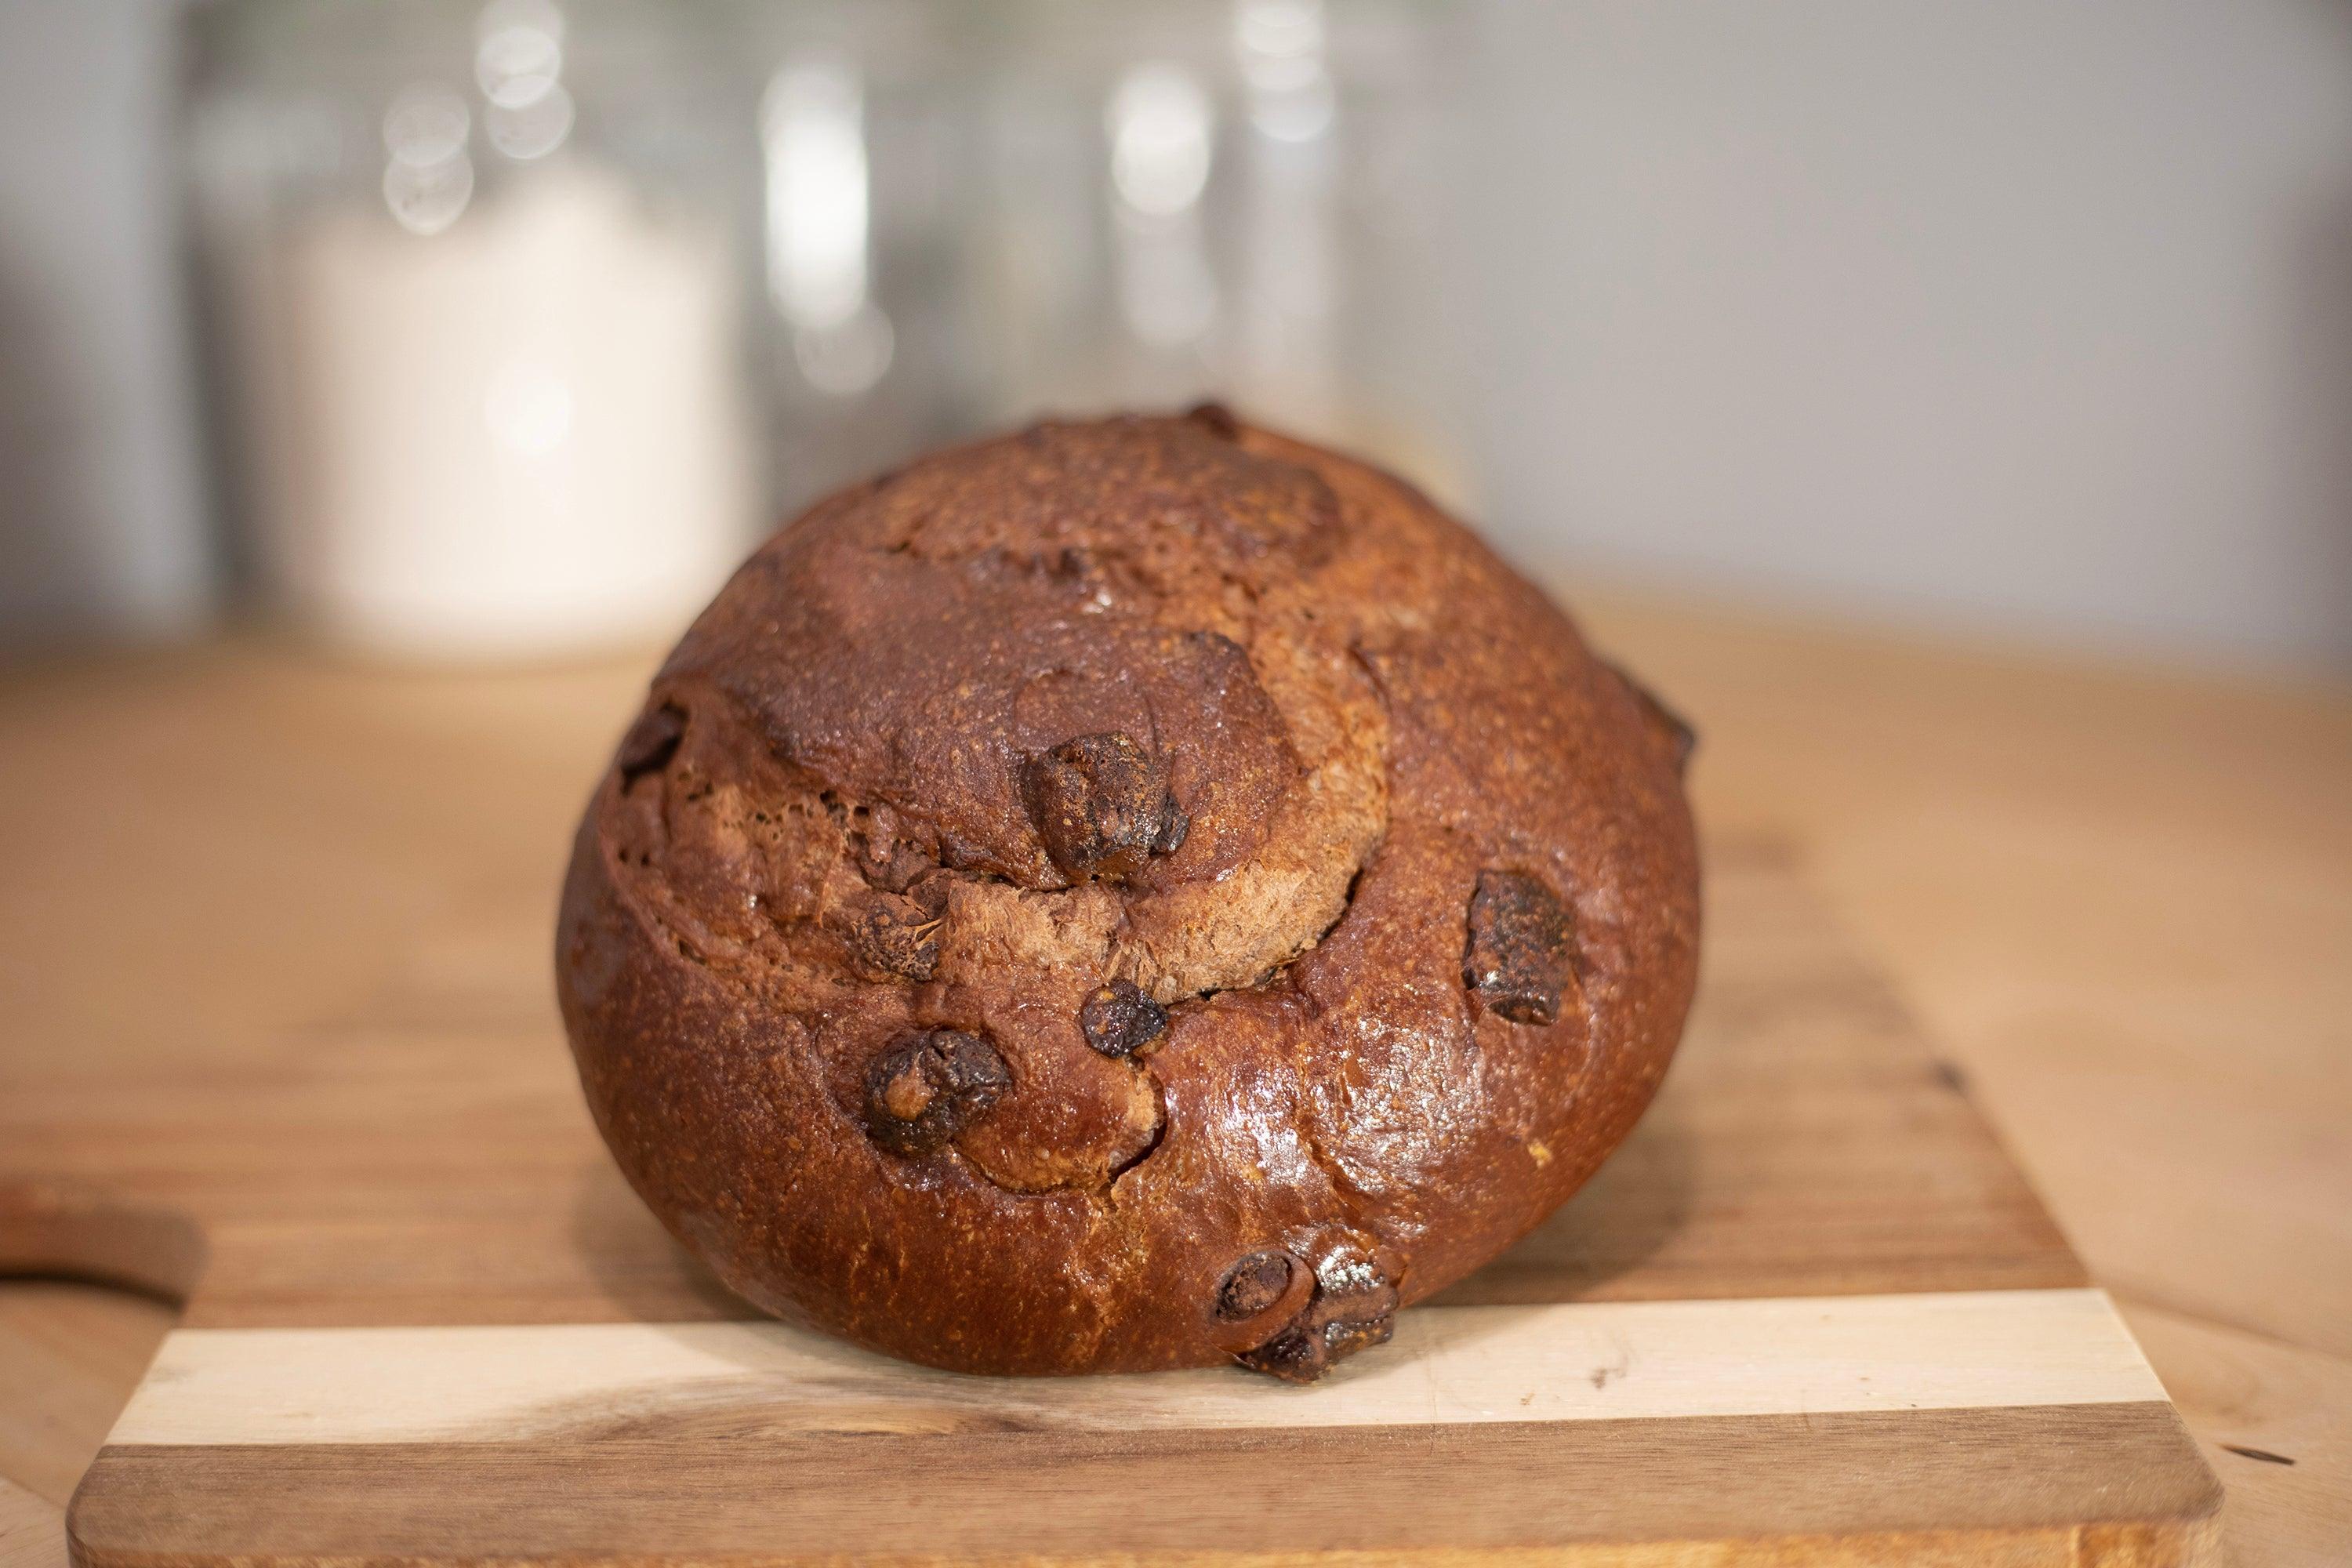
point(1346, 1339)
point(1661, 720)
point(1253, 1284)
point(1120, 1020)
point(1293, 1355)
point(1216, 419)
point(929, 1086)
point(1518, 960)
point(1353, 1308)
point(1101, 805)
point(895, 936)
point(650, 744)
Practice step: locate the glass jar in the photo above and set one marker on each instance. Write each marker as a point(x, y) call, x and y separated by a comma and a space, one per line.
point(863, 121)
point(476, 284)
point(1228, 198)
point(527, 316)
point(1073, 207)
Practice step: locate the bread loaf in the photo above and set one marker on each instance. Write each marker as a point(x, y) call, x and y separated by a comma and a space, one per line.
point(1130, 894)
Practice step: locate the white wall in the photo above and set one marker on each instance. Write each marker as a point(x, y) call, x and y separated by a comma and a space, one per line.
point(2029, 313)
point(2033, 311)
point(101, 512)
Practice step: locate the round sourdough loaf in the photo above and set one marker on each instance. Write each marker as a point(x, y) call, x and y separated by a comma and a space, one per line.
point(1129, 894)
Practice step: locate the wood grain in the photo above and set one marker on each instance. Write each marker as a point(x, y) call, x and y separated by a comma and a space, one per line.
point(1224, 1497)
point(1449, 1366)
point(2276, 1423)
point(384, 1135)
point(2121, 896)
point(32, 1529)
point(71, 1355)
point(1630, 1376)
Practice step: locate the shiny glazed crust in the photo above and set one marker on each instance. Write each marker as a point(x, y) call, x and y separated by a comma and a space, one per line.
point(1127, 895)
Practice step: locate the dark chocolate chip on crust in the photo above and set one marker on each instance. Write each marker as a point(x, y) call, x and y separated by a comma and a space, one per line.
point(1120, 1020)
point(1101, 805)
point(651, 743)
point(1662, 719)
point(1345, 1339)
point(895, 936)
point(1354, 1308)
point(1291, 1355)
point(1517, 962)
point(1216, 419)
point(1173, 832)
point(923, 1090)
point(1253, 1285)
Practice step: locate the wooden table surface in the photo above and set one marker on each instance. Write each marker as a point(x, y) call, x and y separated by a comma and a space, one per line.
point(2122, 899)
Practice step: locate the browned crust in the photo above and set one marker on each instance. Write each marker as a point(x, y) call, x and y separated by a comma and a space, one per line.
point(1338, 709)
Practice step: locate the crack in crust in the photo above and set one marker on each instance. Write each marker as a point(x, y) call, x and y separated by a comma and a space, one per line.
point(806, 887)
point(785, 884)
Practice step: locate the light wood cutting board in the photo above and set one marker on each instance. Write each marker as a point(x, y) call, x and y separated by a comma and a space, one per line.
point(1810, 1313)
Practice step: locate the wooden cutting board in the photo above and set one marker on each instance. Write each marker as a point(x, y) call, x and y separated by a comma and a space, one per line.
point(1810, 1313)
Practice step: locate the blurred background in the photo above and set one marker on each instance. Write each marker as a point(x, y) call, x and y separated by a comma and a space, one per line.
point(453, 330)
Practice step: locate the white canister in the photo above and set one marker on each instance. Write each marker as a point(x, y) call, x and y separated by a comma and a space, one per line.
point(520, 435)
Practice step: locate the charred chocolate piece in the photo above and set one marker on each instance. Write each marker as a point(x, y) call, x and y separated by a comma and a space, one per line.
point(651, 743)
point(1101, 805)
point(1345, 1339)
point(1354, 1308)
point(1120, 1020)
point(1253, 1284)
point(929, 1086)
point(895, 936)
point(1216, 419)
point(1293, 1355)
point(1662, 719)
point(1517, 961)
